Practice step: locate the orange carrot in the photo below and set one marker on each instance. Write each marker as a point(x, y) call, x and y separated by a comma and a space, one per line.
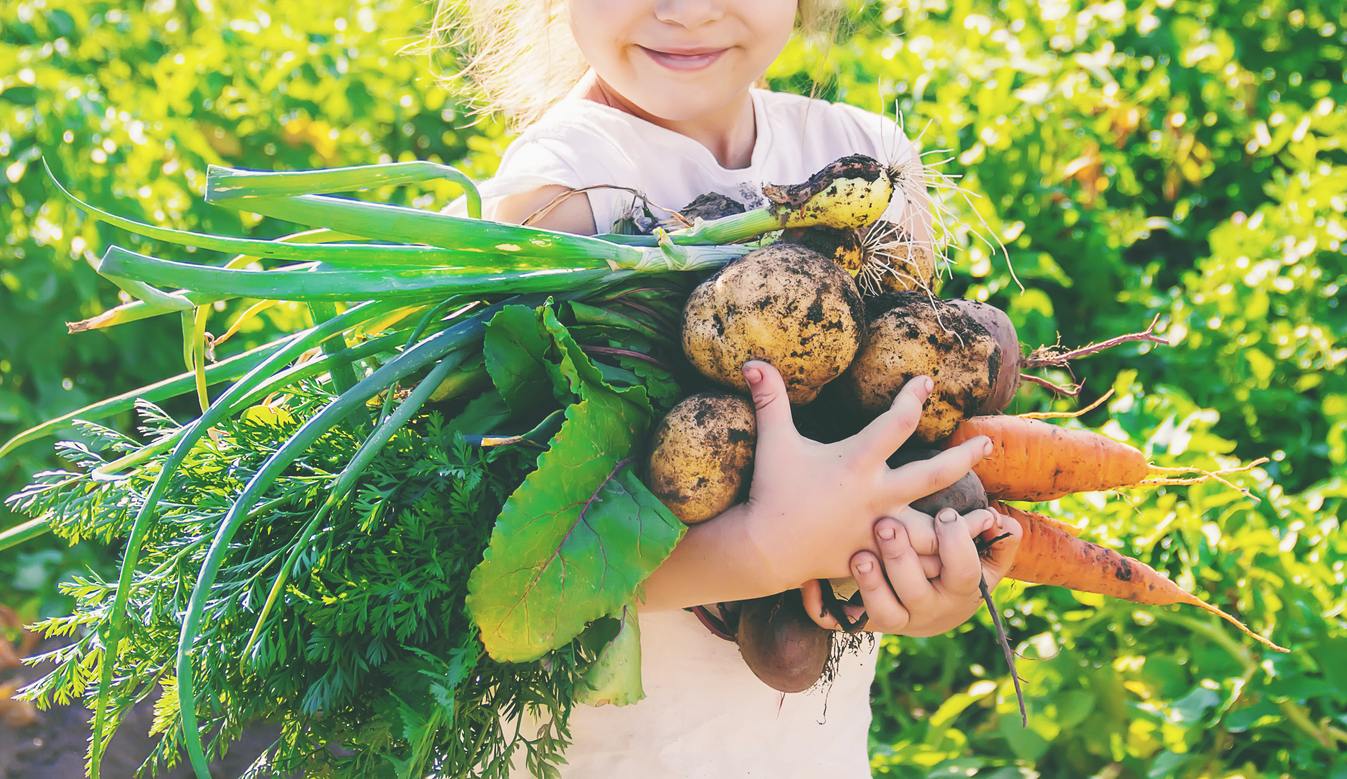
point(1022, 514)
point(1048, 555)
point(1035, 460)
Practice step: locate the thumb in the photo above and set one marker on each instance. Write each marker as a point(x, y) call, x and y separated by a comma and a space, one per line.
point(812, 595)
point(769, 399)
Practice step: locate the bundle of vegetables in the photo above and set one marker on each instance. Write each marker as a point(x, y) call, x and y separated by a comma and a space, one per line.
point(401, 530)
point(401, 577)
point(803, 312)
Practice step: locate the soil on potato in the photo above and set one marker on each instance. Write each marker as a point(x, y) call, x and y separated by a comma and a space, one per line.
point(52, 746)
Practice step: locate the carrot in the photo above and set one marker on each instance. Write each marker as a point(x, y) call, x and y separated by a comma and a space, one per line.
point(1035, 460)
point(1048, 555)
point(1022, 514)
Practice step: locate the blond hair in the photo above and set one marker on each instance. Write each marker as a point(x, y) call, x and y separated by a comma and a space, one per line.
point(518, 57)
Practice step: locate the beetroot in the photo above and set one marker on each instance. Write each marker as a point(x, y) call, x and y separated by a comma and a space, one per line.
point(1008, 374)
point(780, 643)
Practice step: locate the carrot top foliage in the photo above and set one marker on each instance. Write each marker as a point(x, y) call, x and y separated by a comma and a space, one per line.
point(354, 617)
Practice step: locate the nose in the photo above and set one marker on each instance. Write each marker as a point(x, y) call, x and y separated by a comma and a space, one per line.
point(689, 13)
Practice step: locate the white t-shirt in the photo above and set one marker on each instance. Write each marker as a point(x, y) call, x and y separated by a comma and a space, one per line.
point(580, 143)
point(705, 714)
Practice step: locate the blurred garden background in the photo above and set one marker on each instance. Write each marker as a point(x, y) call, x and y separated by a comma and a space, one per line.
point(1138, 158)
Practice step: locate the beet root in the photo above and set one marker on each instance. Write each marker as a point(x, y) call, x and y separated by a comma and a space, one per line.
point(964, 495)
point(780, 643)
point(1003, 330)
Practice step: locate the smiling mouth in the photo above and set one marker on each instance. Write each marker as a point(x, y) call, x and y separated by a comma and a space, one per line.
point(692, 60)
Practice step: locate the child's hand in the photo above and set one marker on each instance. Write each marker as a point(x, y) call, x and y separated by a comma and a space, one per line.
point(812, 505)
point(901, 594)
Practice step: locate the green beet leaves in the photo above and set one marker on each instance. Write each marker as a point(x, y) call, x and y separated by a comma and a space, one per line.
point(517, 357)
point(615, 676)
point(532, 359)
point(575, 541)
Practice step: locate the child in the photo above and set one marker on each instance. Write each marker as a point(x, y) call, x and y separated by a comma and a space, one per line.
point(656, 97)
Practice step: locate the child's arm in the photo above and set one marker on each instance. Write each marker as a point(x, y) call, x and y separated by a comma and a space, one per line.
point(571, 215)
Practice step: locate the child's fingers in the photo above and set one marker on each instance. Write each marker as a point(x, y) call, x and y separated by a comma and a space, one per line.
point(881, 603)
point(924, 477)
point(812, 595)
point(920, 529)
point(769, 398)
point(980, 521)
point(904, 568)
point(882, 437)
point(920, 534)
point(961, 572)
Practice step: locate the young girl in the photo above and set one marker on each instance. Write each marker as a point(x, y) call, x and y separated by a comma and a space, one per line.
point(657, 97)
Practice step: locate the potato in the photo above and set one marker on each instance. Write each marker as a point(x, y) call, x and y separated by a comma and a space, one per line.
point(784, 304)
point(841, 246)
point(911, 334)
point(700, 459)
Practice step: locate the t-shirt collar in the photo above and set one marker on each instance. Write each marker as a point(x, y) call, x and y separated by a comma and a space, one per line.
point(761, 143)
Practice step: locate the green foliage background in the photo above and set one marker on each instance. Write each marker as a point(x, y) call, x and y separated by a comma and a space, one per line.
point(1150, 157)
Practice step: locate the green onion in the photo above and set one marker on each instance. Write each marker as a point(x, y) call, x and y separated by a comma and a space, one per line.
point(334, 284)
point(227, 183)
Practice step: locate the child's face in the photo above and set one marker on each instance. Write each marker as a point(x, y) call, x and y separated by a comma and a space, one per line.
point(681, 60)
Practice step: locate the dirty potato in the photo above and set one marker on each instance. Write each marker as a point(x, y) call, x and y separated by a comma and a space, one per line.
point(701, 455)
point(783, 304)
point(912, 334)
point(842, 246)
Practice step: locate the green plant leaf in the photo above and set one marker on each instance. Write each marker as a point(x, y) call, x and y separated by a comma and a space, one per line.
point(575, 366)
point(516, 350)
point(482, 415)
point(615, 677)
point(595, 315)
point(576, 539)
